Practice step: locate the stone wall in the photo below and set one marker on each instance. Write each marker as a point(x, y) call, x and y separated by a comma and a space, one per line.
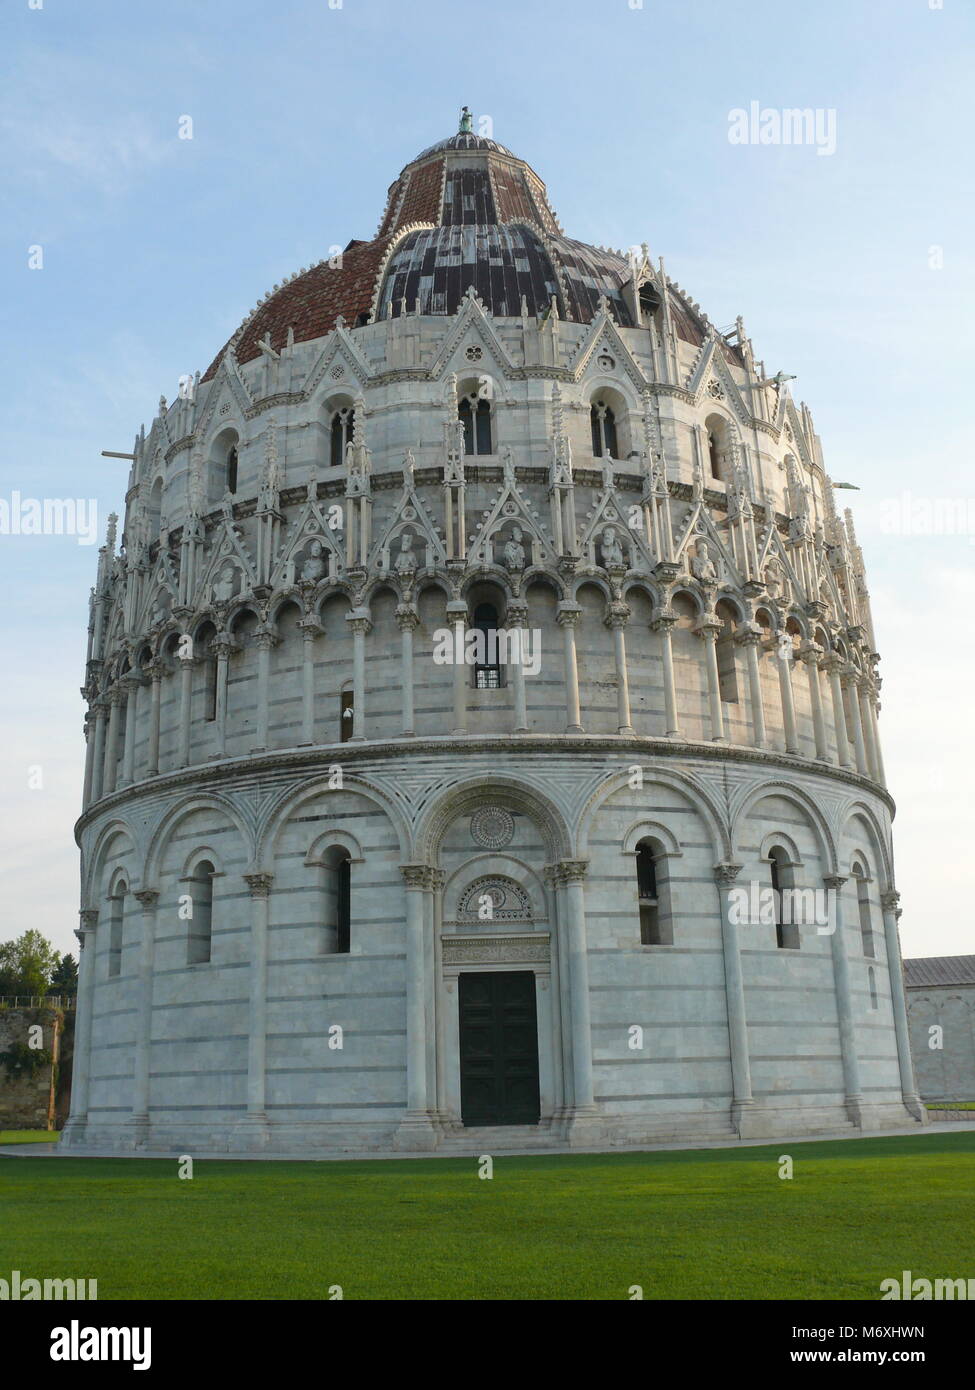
point(27, 1095)
point(946, 1072)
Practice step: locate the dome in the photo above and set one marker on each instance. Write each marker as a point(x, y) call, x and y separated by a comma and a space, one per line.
point(465, 214)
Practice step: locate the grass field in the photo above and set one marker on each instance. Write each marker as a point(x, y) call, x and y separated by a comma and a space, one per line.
point(29, 1136)
point(711, 1224)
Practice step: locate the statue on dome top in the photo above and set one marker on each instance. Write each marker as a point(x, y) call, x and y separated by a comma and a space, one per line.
point(466, 122)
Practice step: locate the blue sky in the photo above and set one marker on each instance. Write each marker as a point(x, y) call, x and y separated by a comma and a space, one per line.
point(154, 248)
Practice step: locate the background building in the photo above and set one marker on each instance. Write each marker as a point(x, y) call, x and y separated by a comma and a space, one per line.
point(941, 1014)
point(343, 891)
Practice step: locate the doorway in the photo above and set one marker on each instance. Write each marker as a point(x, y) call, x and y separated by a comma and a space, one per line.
point(498, 1048)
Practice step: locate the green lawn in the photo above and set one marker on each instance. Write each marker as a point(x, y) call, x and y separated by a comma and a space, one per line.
point(696, 1224)
point(29, 1136)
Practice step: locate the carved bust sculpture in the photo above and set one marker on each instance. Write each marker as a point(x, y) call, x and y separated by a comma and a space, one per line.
point(223, 587)
point(612, 550)
point(514, 551)
point(702, 566)
point(314, 565)
point(406, 560)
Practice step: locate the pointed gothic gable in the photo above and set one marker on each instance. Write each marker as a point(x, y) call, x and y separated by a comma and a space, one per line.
point(711, 365)
point(603, 333)
point(698, 524)
point(472, 327)
point(162, 581)
point(510, 506)
point(309, 525)
point(226, 543)
point(340, 350)
point(410, 513)
point(228, 386)
point(608, 510)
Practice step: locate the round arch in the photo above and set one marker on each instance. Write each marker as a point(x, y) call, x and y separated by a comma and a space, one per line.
point(469, 795)
point(674, 781)
point(203, 801)
point(277, 814)
point(743, 803)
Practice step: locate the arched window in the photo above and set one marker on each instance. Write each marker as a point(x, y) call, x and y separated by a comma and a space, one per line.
point(786, 930)
point(863, 906)
point(155, 508)
point(116, 919)
point(474, 413)
point(489, 673)
point(603, 423)
point(199, 938)
point(653, 897)
point(343, 425)
point(232, 469)
point(717, 436)
point(337, 891)
point(346, 715)
point(872, 980)
point(724, 649)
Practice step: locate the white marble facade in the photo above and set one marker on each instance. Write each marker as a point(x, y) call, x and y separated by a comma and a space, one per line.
point(302, 826)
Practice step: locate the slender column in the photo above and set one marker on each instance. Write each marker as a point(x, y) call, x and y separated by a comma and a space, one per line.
point(517, 613)
point(156, 671)
point(148, 897)
point(664, 624)
point(111, 743)
point(310, 630)
point(89, 759)
point(567, 616)
point(749, 637)
point(408, 619)
point(707, 629)
point(863, 699)
point(889, 901)
point(263, 641)
point(571, 874)
point(457, 616)
point(260, 888)
point(860, 749)
point(872, 708)
point(783, 656)
point(741, 1072)
point(83, 1017)
point(418, 879)
point(834, 667)
point(131, 684)
point(810, 656)
point(98, 761)
point(360, 624)
point(222, 648)
point(186, 664)
point(616, 619)
point(844, 1003)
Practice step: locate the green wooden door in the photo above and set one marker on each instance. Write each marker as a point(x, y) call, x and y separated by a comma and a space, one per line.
point(498, 1048)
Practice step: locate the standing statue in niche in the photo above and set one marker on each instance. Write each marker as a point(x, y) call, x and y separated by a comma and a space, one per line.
point(613, 557)
point(702, 566)
point(314, 564)
point(514, 551)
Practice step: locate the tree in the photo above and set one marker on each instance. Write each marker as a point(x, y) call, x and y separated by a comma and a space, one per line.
point(27, 964)
point(64, 980)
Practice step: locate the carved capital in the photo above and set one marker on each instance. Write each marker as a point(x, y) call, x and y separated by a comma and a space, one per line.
point(811, 654)
point(725, 874)
point(568, 614)
point(147, 897)
point(89, 920)
point(407, 618)
point(834, 881)
point(571, 870)
point(749, 635)
point(265, 640)
point(889, 900)
point(357, 623)
point(664, 622)
point(617, 615)
point(422, 876)
point(259, 884)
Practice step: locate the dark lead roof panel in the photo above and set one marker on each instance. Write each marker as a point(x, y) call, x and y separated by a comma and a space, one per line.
point(437, 267)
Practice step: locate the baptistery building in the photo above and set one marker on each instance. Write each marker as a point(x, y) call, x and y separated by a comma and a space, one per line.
point(482, 737)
